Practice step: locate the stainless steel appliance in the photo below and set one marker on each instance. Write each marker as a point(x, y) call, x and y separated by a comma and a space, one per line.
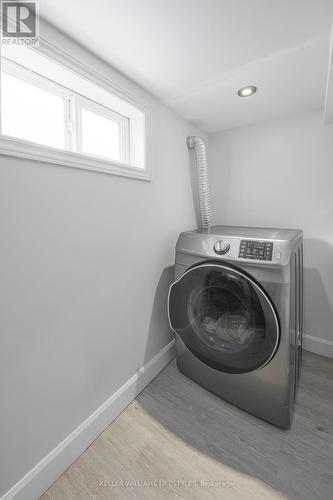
point(236, 309)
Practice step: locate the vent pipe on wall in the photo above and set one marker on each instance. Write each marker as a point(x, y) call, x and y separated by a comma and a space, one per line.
point(197, 144)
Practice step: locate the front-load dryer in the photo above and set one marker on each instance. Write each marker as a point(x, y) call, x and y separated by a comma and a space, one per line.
point(236, 309)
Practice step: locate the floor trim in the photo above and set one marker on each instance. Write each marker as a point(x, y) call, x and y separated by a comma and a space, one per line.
point(318, 345)
point(40, 478)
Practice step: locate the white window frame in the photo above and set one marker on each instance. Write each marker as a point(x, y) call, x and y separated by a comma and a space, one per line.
point(79, 102)
point(42, 83)
point(134, 149)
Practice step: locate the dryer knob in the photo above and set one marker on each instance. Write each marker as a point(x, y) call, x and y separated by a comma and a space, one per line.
point(221, 247)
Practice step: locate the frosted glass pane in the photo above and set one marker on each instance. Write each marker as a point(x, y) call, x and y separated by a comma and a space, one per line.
point(31, 113)
point(100, 135)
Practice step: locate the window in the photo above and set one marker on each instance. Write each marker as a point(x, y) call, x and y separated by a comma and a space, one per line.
point(51, 113)
point(23, 119)
point(107, 142)
point(112, 139)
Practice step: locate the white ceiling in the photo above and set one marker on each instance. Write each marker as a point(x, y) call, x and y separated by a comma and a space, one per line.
point(195, 54)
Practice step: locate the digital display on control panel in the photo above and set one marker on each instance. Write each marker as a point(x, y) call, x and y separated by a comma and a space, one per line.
point(259, 250)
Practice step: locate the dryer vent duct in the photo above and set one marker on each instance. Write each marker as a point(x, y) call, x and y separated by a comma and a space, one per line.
point(201, 168)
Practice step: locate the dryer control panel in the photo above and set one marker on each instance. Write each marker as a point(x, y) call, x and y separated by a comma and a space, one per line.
point(258, 250)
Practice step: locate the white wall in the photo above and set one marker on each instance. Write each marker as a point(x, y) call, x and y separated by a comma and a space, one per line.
point(280, 174)
point(84, 275)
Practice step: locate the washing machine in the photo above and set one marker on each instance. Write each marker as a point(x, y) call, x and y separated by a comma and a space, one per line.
point(236, 308)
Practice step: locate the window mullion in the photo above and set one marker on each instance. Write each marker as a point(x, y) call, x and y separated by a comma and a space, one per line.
point(69, 122)
point(77, 123)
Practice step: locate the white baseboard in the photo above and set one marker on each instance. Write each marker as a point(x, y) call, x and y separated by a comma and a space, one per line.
point(40, 478)
point(318, 345)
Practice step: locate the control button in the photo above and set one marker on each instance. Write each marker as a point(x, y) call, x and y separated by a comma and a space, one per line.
point(221, 247)
point(278, 255)
point(257, 250)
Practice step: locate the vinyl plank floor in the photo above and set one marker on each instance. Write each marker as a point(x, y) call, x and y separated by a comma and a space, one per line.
point(178, 441)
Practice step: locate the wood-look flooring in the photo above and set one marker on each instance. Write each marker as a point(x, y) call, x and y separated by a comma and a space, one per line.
point(178, 441)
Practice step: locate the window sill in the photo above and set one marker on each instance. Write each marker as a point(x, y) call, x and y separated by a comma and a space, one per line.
point(23, 149)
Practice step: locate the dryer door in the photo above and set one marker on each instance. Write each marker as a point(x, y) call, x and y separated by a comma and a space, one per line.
point(224, 317)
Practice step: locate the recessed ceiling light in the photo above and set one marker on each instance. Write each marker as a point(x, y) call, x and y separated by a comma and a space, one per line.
point(247, 91)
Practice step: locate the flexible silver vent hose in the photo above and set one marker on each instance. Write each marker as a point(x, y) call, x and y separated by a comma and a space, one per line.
point(205, 207)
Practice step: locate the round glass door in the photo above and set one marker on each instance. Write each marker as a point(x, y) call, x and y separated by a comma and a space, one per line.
point(224, 317)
